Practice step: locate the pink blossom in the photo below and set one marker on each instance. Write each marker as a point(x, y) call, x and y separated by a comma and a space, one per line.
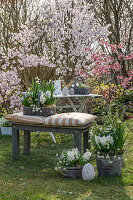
point(129, 57)
point(120, 46)
point(87, 49)
point(120, 56)
point(119, 77)
point(102, 41)
point(104, 64)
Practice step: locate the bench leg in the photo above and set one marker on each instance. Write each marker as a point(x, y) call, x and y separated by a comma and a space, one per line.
point(86, 143)
point(15, 143)
point(26, 142)
point(77, 140)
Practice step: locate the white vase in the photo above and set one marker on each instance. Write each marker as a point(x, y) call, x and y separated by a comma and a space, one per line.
point(6, 130)
point(57, 85)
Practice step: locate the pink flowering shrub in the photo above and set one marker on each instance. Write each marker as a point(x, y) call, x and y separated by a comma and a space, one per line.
point(109, 64)
point(9, 91)
point(111, 67)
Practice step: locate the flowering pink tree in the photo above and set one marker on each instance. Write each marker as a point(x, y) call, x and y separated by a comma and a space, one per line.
point(107, 66)
point(71, 27)
point(111, 66)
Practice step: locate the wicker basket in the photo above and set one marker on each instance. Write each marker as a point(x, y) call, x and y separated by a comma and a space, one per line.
point(72, 172)
point(42, 111)
point(80, 90)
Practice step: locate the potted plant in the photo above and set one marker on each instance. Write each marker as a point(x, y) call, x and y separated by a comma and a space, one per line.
point(39, 99)
point(80, 88)
point(71, 162)
point(108, 144)
point(47, 99)
point(6, 128)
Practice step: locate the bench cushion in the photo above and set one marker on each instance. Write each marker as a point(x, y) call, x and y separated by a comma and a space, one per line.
point(20, 118)
point(69, 119)
point(58, 120)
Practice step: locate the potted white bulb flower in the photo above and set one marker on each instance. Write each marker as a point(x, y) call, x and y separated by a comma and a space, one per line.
point(108, 145)
point(6, 128)
point(36, 103)
point(71, 162)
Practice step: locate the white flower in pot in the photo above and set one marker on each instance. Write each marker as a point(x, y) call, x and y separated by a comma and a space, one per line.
point(6, 128)
point(108, 144)
point(71, 162)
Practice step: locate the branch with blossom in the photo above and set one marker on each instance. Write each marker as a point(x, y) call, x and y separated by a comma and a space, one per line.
point(9, 91)
point(109, 63)
point(72, 26)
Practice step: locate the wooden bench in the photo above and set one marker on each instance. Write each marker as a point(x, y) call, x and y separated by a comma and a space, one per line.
point(77, 124)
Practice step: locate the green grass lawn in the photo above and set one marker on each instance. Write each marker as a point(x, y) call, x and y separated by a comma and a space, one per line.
point(34, 177)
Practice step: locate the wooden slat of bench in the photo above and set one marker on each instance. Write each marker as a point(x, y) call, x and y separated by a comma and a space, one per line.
point(50, 128)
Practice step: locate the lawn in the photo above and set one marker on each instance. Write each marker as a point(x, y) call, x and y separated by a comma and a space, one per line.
point(33, 177)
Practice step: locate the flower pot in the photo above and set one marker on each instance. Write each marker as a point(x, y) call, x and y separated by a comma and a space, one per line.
point(42, 111)
point(80, 90)
point(6, 130)
point(72, 172)
point(109, 166)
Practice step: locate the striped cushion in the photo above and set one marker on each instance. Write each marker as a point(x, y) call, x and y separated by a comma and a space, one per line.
point(60, 120)
point(69, 119)
point(20, 118)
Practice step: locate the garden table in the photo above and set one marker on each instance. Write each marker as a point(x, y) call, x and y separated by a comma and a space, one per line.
point(79, 107)
point(76, 108)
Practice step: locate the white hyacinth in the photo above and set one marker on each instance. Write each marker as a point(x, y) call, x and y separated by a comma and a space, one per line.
point(70, 156)
point(105, 140)
point(48, 94)
point(76, 153)
point(73, 157)
point(97, 139)
point(42, 99)
point(87, 155)
point(73, 154)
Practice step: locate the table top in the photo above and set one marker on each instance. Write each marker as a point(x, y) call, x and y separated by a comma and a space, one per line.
point(77, 95)
point(74, 95)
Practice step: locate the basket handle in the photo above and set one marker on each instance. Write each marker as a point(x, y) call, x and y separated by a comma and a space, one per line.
point(77, 78)
point(39, 95)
